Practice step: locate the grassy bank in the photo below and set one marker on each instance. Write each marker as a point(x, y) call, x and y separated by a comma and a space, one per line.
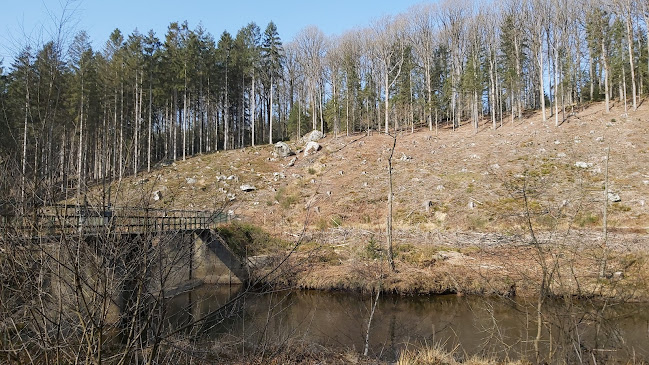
point(462, 263)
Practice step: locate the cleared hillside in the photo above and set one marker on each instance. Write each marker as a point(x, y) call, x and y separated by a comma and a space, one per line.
point(465, 206)
point(452, 180)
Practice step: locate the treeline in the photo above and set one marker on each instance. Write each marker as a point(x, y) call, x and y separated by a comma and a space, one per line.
point(73, 115)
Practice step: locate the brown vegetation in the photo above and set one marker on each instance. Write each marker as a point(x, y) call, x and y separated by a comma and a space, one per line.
point(453, 192)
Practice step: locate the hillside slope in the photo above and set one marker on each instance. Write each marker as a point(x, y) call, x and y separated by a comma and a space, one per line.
point(455, 180)
point(465, 207)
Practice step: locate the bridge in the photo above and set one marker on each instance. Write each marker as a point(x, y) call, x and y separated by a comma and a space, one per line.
point(190, 248)
point(58, 220)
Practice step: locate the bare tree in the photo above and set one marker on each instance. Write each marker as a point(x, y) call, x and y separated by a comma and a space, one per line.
point(454, 16)
point(311, 45)
point(334, 68)
point(350, 48)
point(423, 37)
point(538, 13)
point(387, 45)
point(626, 9)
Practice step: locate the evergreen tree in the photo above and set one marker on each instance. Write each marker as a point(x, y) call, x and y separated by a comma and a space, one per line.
point(272, 61)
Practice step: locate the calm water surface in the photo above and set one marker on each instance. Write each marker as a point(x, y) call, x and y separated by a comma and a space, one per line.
point(496, 327)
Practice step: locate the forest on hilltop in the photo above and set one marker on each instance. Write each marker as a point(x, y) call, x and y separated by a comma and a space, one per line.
point(73, 115)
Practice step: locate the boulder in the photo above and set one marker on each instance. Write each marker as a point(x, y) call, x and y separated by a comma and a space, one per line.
point(246, 187)
point(428, 204)
point(283, 150)
point(157, 195)
point(405, 157)
point(313, 136)
point(311, 148)
point(614, 197)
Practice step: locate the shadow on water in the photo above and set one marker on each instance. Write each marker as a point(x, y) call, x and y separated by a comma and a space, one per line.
point(493, 327)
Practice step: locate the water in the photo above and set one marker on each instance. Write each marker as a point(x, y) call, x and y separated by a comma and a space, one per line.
point(493, 327)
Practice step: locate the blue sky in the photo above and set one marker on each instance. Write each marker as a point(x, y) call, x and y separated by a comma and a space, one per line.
point(35, 20)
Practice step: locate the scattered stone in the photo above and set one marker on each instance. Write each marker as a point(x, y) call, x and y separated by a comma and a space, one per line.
point(190, 180)
point(296, 176)
point(495, 166)
point(561, 155)
point(474, 157)
point(452, 256)
point(157, 195)
point(311, 147)
point(557, 142)
point(583, 165)
point(440, 187)
point(599, 139)
point(232, 177)
point(428, 204)
point(471, 204)
point(614, 197)
point(341, 172)
point(313, 136)
point(231, 196)
point(282, 150)
point(328, 193)
point(247, 188)
point(405, 157)
point(292, 162)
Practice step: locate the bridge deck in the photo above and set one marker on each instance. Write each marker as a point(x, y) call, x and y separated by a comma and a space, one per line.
point(68, 219)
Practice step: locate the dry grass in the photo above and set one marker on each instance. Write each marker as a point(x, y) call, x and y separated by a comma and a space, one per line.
point(437, 355)
point(473, 183)
point(462, 173)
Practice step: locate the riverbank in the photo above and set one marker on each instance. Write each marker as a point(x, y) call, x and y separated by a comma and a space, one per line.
point(567, 264)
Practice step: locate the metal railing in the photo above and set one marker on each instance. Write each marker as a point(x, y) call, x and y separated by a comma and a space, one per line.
point(73, 219)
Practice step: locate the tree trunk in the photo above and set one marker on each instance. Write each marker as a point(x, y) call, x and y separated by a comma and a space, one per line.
point(148, 158)
point(270, 113)
point(556, 87)
point(183, 125)
point(606, 77)
point(390, 199)
point(387, 99)
point(80, 157)
point(24, 162)
point(541, 82)
point(629, 36)
point(252, 110)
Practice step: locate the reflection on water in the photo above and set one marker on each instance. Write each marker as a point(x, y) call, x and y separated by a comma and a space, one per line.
point(474, 325)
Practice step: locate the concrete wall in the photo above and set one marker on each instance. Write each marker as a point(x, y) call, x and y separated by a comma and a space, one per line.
point(214, 263)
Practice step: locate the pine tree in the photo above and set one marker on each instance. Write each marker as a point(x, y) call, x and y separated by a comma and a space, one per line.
point(272, 61)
